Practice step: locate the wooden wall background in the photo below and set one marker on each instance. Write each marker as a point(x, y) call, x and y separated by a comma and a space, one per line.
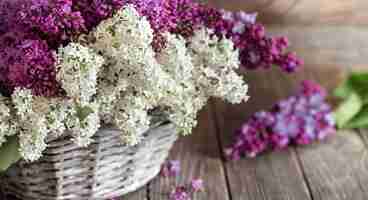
point(307, 12)
point(326, 33)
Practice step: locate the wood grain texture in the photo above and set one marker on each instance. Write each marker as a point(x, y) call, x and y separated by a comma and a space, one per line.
point(199, 157)
point(337, 169)
point(141, 194)
point(320, 46)
point(274, 176)
point(362, 178)
point(304, 12)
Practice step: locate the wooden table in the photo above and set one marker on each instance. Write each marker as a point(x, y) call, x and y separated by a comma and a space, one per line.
point(331, 36)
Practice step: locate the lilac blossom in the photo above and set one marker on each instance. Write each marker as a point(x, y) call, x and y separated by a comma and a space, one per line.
point(52, 20)
point(300, 119)
point(179, 193)
point(171, 168)
point(28, 63)
point(257, 50)
point(196, 185)
point(94, 11)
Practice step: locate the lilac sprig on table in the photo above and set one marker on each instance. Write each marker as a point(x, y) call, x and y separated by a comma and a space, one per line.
point(187, 191)
point(182, 192)
point(300, 119)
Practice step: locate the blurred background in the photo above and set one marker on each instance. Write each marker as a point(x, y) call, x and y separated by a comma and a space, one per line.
point(329, 33)
point(331, 36)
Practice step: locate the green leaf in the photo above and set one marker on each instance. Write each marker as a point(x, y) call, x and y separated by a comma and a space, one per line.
point(344, 90)
point(83, 112)
point(360, 120)
point(348, 110)
point(356, 82)
point(9, 153)
point(359, 83)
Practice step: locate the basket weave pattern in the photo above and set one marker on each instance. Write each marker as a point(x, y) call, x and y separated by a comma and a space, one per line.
point(103, 170)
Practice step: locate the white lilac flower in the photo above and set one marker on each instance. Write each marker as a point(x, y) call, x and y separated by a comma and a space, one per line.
point(22, 100)
point(112, 34)
point(77, 71)
point(176, 60)
point(131, 117)
point(83, 122)
point(145, 83)
point(33, 126)
point(32, 136)
point(183, 101)
point(215, 61)
point(57, 115)
point(8, 126)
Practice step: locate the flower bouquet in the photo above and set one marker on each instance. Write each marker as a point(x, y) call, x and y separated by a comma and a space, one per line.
point(94, 92)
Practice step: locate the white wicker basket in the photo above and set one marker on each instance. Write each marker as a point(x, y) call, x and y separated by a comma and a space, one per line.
point(103, 170)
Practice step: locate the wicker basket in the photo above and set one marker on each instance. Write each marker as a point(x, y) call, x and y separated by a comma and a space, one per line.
point(104, 170)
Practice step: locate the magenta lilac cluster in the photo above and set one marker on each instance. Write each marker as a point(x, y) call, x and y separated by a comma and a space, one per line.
point(30, 33)
point(27, 61)
point(51, 20)
point(300, 119)
point(94, 11)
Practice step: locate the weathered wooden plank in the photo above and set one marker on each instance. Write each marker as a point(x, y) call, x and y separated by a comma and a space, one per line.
point(141, 194)
point(335, 46)
point(333, 169)
point(362, 178)
point(274, 176)
point(337, 168)
point(364, 134)
point(199, 157)
point(302, 11)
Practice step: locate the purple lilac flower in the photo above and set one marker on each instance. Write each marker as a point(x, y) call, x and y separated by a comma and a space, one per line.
point(8, 10)
point(27, 62)
point(94, 11)
point(255, 47)
point(171, 168)
point(196, 185)
point(179, 193)
point(53, 20)
point(185, 192)
point(300, 119)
